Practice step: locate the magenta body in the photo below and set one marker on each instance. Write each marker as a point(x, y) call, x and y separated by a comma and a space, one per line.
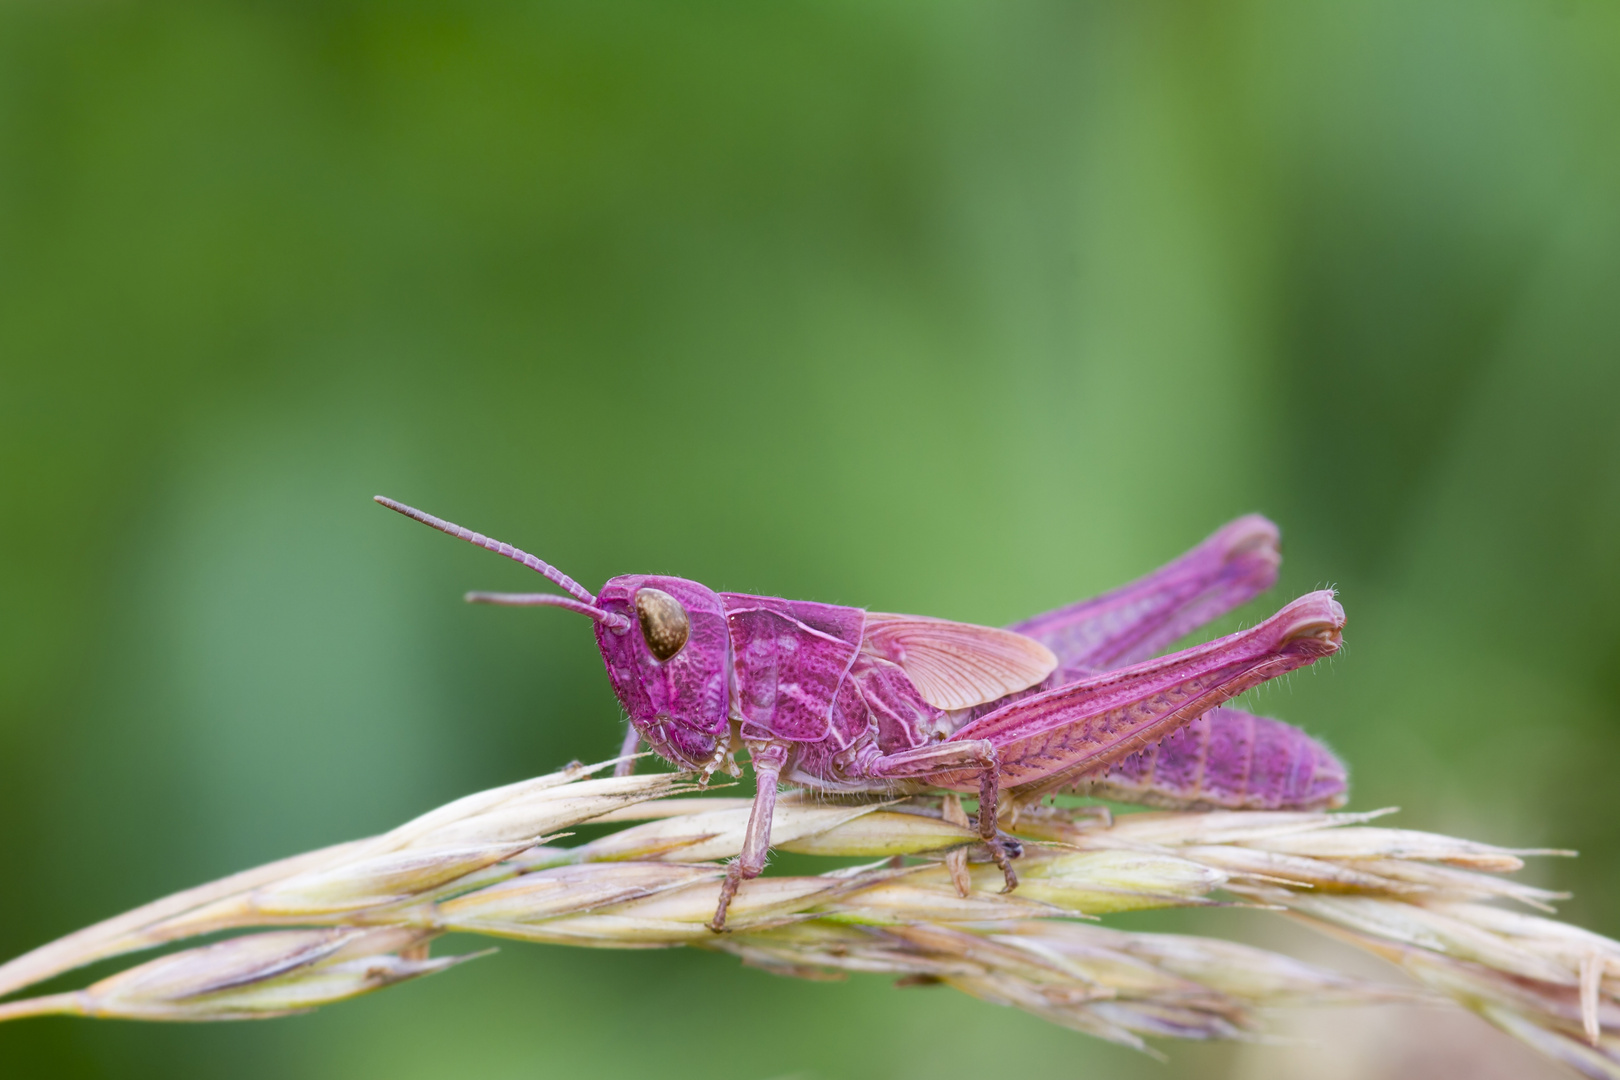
point(807, 673)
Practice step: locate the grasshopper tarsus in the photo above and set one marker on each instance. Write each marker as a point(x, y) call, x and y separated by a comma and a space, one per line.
point(999, 851)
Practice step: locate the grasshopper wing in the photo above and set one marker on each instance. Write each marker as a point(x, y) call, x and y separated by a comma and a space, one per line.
point(958, 665)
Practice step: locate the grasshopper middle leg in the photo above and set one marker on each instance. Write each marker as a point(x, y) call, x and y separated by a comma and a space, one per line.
point(969, 755)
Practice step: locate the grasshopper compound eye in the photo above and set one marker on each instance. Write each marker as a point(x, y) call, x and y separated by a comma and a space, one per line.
point(664, 625)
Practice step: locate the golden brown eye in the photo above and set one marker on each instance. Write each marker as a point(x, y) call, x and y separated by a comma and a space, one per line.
point(664, 625)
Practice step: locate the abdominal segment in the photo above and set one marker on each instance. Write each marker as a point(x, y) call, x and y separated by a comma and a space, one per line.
point(1226, 759)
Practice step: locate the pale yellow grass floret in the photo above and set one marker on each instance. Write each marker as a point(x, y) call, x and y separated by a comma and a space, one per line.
point(923, 905)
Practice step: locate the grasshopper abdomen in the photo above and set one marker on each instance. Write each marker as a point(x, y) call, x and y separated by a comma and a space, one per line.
point(1227, 759)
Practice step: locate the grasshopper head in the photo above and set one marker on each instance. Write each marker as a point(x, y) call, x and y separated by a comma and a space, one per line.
point(669, 661)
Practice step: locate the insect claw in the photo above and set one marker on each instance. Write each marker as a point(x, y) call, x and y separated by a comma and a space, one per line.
point(1003, 851)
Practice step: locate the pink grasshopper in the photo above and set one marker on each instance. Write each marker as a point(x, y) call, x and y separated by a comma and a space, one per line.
point(844, 700)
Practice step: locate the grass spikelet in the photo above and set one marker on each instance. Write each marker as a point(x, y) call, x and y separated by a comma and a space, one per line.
point(925, 907)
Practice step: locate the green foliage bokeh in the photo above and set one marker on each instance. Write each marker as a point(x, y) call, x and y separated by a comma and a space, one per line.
point(962, 309)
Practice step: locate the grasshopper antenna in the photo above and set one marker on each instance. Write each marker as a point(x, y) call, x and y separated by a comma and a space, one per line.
point(507, 599)
point(584, 602)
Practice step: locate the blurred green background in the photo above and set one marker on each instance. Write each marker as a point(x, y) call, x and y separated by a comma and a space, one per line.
point(962, 309)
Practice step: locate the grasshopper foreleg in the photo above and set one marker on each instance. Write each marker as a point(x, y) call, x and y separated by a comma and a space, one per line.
point(769, 758)
point(627, 752)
